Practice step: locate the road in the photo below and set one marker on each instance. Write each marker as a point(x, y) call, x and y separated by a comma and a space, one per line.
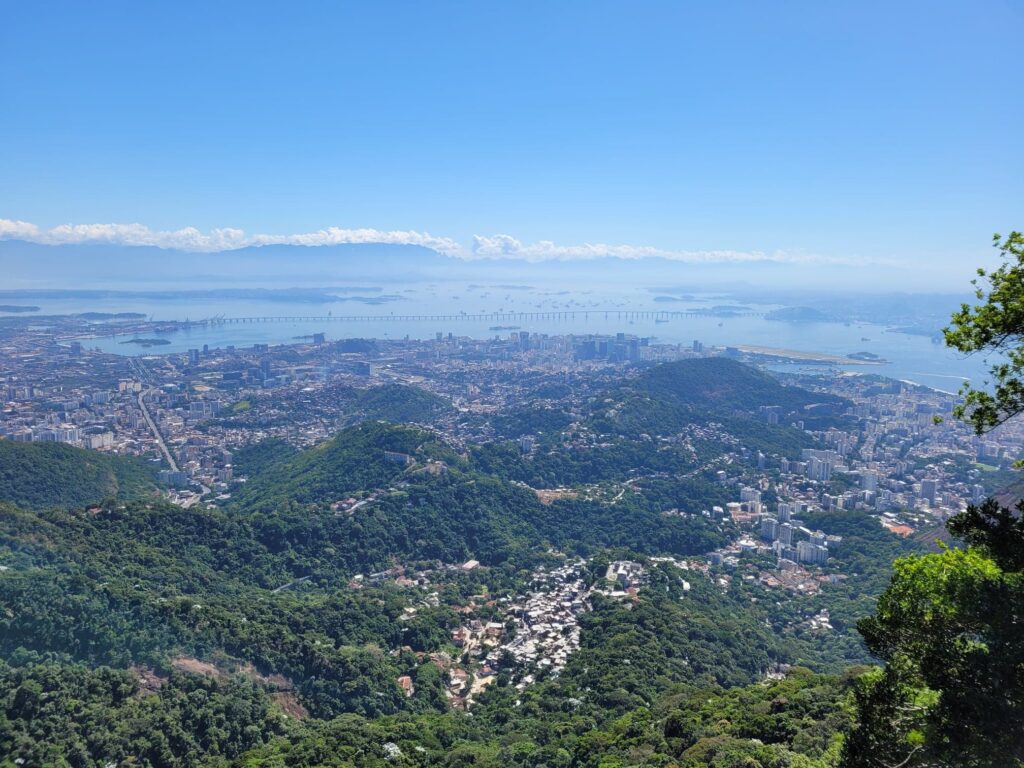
point(156, 432)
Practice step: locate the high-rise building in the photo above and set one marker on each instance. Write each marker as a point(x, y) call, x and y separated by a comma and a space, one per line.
point(812, 554)
point(819, 469)
point(869, 480)
point(769, 528)
point(785, 534)
point(633, 352)
point(787, 511)
point(929, 488)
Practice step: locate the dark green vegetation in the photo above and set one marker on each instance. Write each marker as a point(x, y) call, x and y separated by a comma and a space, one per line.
point(441, 506)
point(141, 632)
point(948, 628)
point(55, 474)
point(143, 342)
point(150, 589)
point(399, 404)
point(719, 384)
point(60, 714)
point(994, 325)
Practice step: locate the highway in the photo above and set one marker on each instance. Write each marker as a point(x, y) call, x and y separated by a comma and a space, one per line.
point(156, 432)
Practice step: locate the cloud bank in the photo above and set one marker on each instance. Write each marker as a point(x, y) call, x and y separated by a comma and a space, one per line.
point(508, 247)
point(226, 239)
point(498, 246)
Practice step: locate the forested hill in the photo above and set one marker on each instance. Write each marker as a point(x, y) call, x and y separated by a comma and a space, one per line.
point(378, 491)
point(208, 653)
point(721, 384)
point(54, 474)
point(664, 399)
point(398, 403)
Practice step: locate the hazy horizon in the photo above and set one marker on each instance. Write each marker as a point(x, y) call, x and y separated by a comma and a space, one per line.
point(867, 147)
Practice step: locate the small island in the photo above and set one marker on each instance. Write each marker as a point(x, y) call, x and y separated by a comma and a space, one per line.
point(868, 357)
point(799, 315)
point(504, 328)
point(147, 342)
point(17, 308)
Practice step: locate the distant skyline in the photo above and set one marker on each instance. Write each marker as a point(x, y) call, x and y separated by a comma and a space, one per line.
point(874, 134)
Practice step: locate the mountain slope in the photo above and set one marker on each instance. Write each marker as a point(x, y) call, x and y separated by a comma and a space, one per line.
point(718, 383)
point(437, 507)
point(54, 474)
point(664, 399)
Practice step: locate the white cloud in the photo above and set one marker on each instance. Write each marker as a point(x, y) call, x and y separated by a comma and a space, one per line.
point(18, 230)
point(192, 239)
point(483, 247)
point(508, 247)
point(337, 236)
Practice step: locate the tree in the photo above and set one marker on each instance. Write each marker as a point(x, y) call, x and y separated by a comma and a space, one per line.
point(949, 624)
point(996, 325)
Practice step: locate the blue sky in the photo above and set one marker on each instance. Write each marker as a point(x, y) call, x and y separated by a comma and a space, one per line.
point(846, 131)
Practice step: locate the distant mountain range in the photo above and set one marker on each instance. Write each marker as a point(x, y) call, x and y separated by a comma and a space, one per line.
point(30, 265)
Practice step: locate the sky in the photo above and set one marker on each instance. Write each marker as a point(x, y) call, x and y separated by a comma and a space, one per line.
point(867, 133)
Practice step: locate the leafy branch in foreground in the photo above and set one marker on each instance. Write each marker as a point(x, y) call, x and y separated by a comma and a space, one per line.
point(996, 325)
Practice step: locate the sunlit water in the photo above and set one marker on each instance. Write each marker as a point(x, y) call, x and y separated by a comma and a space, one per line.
point(911, 358)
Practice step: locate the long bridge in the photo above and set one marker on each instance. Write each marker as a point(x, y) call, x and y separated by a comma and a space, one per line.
point(493, 317)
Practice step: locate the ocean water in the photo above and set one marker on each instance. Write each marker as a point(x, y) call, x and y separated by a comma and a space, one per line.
point(909, 357)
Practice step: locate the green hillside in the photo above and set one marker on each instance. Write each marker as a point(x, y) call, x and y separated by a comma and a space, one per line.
point(664, 399)
point(721, 384)
point(439, 506)
point(207, 653)
point(398, 403)
point(37, 475)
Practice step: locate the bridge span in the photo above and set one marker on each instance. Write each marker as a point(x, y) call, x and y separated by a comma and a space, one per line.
point(493, 317)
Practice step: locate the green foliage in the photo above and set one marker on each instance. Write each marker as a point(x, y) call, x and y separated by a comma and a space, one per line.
point(352, 461)
point(54, 474)
point(996, 325)
point(398, 403)
point(530, 419)
point(255, 459)
point(722, 384)
point(948, 627)
point(797, 721)
point(451, 515)
point(666, 398)
point(68, 715)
